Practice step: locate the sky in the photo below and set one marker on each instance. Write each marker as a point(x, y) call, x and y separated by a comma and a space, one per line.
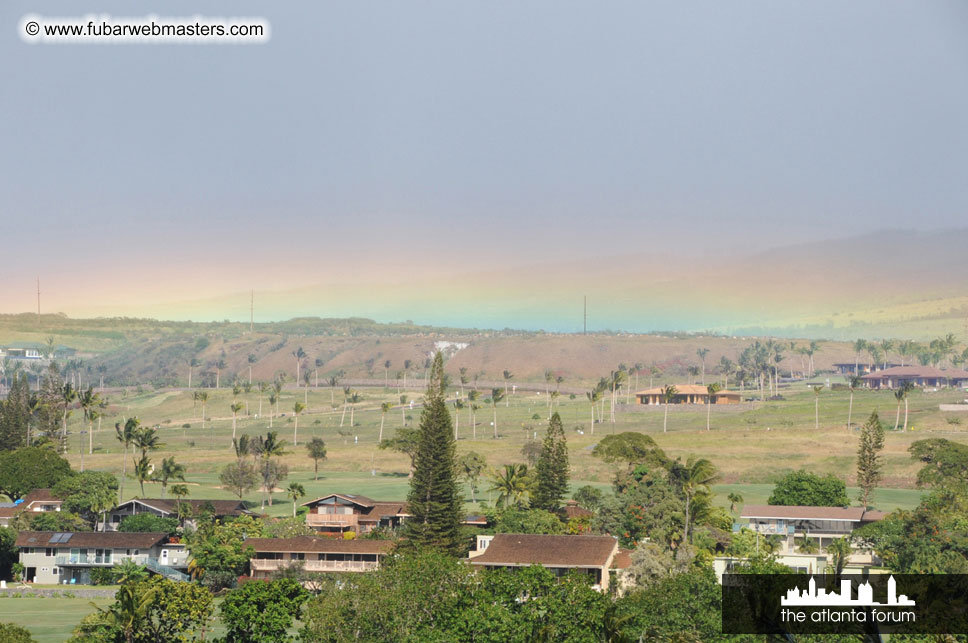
point(448, 161)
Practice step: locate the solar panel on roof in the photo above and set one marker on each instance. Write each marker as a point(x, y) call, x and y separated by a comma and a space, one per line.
point(55, 538)
point(66, 537)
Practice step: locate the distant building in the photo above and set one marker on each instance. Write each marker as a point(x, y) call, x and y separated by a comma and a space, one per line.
point(21, 353)
point(592, 555)
point(168, 508)
point(38, 500)
point(794, 524)
point(860, 368)
point(68, 557)
point(339, 512)
point(920, 376)
point(316, 554)
point(687, 394)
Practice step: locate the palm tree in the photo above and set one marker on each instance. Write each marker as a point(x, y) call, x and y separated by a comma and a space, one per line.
point(702, 352)
point(219, 366)
point(297, 408)
point(853, 383)
point(593, 396)
point(385, 408)
point(513, 486)
point(180, 491)
point(272, 401)
point(242, 446)
point(734, 500)
point(299, 354)
point(236, 407)
point(693, 479)
point(90, 402)
point(333, 382)
point(170, 470)
point(507, 378)
point(901, 394)
point(386, 374)
point(125, 435)
point(669, 393)
point(317, 451)
point(615, 380)
point(203, 398)
point(68, 395)
point(711, 391)
point(128, 609)
point(458, 407)
point(496, 396)
point(295, 491)
point(267, 448)
point(816, 404)
point(142, 471)
point(859, 347)
point(193, 363)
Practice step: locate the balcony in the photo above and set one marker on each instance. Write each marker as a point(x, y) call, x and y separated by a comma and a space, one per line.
point(90, 561)
point(333, 521)
point(275, 564)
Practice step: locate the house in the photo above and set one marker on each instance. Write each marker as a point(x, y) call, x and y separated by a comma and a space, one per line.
point(920, 376)
point(794, 524)
point(68, 557)
point(687, 394)
point(168, 508)
point(37, 500)
point(22, 353)
point(574, 511)
point(592, 555)
point(316, 554)
point(339, 512)
point(861, 368)
point(798, 562)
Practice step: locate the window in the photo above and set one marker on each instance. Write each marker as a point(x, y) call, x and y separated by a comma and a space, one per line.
point(298, 556)
point(56, 571)
point(50, 551)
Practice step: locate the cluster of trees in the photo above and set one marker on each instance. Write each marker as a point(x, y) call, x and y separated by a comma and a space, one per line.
point(265, 467)
point(655, 497)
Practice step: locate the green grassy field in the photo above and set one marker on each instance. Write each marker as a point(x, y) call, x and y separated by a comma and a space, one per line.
point(50, 620)
point(752, 444)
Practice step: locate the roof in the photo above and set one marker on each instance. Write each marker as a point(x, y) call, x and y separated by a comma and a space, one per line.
point(551, 551)
point(170, 505)
point(916, 371)
point(803, 512)
point(41, 495)
point(873, 516)
point(623, 559)
point(374, 508)
point(574, 510)
point(107, 539)
point(356, 499)
point(684, 389)
point(320, 545)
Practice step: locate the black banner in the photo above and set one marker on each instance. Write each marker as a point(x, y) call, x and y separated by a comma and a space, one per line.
point(846, 604)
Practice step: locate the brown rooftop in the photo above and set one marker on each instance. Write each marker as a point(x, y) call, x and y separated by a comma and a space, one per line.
point(917, 371)
point(106, 539)
point(551, 551)
point(170, 505)
point(320, 545)
point(803, 512)
point(684, 389)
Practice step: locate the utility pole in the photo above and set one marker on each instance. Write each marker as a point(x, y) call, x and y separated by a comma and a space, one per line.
point(584, 324)
point(38, 296)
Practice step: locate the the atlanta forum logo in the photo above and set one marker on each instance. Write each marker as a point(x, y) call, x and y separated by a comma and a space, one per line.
point(821, 606)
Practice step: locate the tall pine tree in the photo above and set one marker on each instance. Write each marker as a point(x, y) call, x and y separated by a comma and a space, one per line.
point(552, 468)
point(435, 501)
point(15, 415)
point(869, 459)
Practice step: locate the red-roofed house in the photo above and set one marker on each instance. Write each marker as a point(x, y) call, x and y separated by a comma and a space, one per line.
point(339, 512)
point(920, 376)
point(316, 554)
point(593, 555)
point(37, 500)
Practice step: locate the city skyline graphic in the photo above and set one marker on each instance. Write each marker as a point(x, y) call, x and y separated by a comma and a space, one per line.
point(813, 596)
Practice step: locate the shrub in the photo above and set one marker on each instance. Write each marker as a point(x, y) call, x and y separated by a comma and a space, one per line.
point(102, 576)
point(10, 633)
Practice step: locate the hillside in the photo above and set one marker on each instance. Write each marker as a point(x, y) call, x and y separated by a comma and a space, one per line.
point(141, 351)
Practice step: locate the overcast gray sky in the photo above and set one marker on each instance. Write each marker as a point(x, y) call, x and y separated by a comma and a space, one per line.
point(369, 134)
